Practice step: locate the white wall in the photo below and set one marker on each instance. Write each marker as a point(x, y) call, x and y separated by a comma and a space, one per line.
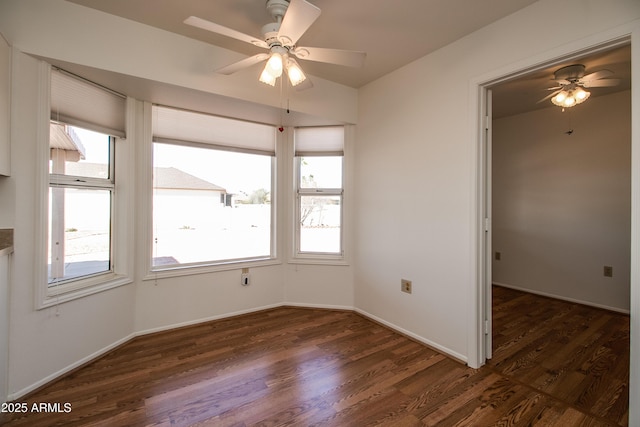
point(417, 143)
point(5, 106)
point(318, 286)
point(168, 302)
point(562, 203)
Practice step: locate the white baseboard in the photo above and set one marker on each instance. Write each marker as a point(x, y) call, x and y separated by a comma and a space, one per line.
point(103, 351)
point(320, 306)
point(66, 370)
point(445, 350)
point(206, 319)
point(563, 298)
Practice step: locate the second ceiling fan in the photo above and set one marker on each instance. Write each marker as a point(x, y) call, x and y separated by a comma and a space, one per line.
point(292, 19)
point(572, 82)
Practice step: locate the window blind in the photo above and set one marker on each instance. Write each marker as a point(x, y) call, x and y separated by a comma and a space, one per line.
point(175, 125)
point(319, 141)
point(80, 103)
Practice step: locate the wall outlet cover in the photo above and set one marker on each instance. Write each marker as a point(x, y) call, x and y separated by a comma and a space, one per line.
point(405, 286)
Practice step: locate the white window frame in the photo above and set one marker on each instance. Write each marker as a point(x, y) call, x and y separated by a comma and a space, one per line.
point(316, 192)
point(297, 256)
point(153, 273)
point(64, 181)
point(121, 214)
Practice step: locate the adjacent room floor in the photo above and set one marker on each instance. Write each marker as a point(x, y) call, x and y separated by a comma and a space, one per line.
point(574, 353)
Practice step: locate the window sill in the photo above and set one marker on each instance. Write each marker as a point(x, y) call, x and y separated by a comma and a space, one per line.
point(82, 289)
point(189, 270)
point(338, 261)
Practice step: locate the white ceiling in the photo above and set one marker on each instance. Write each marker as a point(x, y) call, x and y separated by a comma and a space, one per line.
point(392, 33)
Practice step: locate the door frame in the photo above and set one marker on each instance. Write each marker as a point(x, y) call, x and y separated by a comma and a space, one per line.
point(479, 338)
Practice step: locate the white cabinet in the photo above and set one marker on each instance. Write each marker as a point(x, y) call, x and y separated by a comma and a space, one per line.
point(5, 106)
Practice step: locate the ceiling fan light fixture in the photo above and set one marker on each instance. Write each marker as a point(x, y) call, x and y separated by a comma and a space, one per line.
point(570, 97)
point(295, 73)
point(581, 95)
point(559, 98)
point(267, 78)
point(274, 65)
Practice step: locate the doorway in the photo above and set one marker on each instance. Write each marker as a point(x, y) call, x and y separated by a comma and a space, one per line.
point(487, 221)
point(561, 183)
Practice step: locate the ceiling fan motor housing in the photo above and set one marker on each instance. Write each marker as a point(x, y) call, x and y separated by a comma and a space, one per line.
point(570, 73)
point(270, 33)
point(277, 8)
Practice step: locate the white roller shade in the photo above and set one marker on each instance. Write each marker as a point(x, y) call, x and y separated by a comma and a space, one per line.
point(319, 141)
point(80, 103)
point(174, 125)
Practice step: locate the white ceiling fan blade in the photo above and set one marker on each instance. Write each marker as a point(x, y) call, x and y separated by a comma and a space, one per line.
point(348, 58)
point(194, 21)
point(602, 83)
point(298, 18)
point(247, 62)
point(551, 95)
point(596, 75)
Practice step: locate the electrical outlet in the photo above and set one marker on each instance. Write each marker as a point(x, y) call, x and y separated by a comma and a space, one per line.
point(405, 285)
point(498, 256)
point(245, 279)
point(608, 271)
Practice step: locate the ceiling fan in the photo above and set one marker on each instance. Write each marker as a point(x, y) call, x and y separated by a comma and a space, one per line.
point(572, 82)
point(292, 19)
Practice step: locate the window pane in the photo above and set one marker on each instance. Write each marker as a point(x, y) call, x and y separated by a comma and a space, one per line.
point(79, 233)
point(79, 152)
point(320, 218)
point(210, 205)
point(321, 172)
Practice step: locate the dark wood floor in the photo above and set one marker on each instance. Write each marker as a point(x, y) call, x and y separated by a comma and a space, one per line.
point(574, 353)
point(555, 364)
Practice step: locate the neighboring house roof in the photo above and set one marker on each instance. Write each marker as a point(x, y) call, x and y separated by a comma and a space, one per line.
point(166, 178)
point(172, 178)
point(64, 138)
